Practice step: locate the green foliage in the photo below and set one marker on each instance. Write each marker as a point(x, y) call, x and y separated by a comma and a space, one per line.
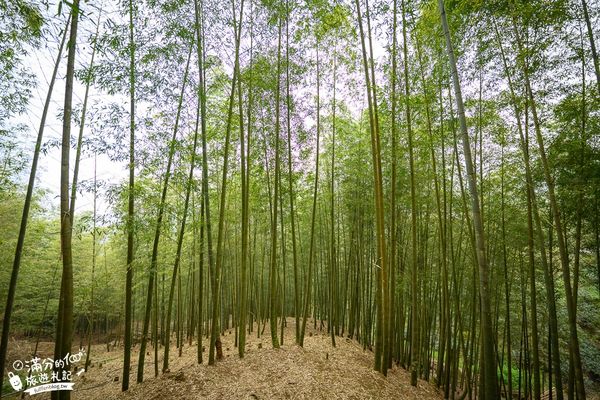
point(165, 32)
point(20, 29)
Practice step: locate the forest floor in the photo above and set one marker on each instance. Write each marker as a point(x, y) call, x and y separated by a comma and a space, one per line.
point(317, 371)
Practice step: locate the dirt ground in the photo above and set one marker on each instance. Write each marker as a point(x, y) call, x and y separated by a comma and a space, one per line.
point(317, 371)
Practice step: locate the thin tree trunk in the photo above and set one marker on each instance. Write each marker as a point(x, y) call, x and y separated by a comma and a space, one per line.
point(130, 209)
point(91, 322)
point(445, 331)
point(12, 287)
point(64, 334)
point(382, 294)
point(590, 32)
point(415, 309)
point(297, 293)
point(74, 190)
point(332, 248)
point(245, 222)
point(157, 232)
point(571, 309)
point(181, 234)
point(273, 260)
point(534, 330)
point(489, 378)
point(506, 283)
point(309, 277)
point(88, 81)
point(220, 232)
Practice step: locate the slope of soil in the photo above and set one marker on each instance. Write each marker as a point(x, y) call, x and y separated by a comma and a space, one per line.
point(317, 371)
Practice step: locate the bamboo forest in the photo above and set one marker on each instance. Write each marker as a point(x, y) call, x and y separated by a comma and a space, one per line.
point(300, 199)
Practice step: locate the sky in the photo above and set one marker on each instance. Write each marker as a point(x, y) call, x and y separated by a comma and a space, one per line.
point(41, 62)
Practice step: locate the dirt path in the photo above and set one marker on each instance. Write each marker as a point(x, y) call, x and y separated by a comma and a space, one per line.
point(317, 371)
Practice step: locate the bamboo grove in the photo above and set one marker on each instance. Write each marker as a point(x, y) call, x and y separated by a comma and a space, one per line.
point(421, 176)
